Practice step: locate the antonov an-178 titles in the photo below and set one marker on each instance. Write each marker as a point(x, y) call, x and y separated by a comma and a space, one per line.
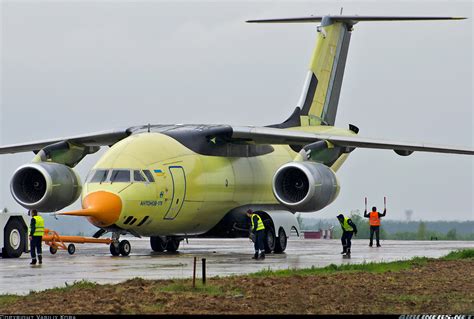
point(170, 182)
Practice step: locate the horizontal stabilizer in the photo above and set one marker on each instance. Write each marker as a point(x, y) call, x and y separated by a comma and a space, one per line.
point(351, 19)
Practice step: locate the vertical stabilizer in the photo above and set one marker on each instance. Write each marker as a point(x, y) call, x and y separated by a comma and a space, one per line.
point(320, 96)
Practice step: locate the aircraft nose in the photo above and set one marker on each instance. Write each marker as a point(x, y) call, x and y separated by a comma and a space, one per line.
point(105, 207)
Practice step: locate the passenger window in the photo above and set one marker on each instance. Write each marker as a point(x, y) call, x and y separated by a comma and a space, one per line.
point(149, 175)
point(138, 177)
point(99, 176)
point(120, 176)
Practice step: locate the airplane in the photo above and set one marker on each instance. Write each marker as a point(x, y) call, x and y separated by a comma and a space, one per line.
point(171, 182)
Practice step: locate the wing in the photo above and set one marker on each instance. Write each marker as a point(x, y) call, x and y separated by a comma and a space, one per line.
point(91, 139)
point(267, 135)
point(257, 135)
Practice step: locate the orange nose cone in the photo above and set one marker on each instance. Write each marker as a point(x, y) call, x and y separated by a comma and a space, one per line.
point(104, 208)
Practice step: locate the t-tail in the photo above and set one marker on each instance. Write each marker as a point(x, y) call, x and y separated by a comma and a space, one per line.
point(320, 97)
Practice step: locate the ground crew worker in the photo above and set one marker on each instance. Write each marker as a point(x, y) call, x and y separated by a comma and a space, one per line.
point(258, 230)
point(36, 237)
point(348, 229)
point(374, 222)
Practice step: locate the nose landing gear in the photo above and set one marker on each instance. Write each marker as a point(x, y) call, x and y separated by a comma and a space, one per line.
point(169, 244)
point(118, 247)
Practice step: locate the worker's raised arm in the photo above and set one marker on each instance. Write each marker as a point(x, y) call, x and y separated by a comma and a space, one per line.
point(383, 214)
point(366, 215)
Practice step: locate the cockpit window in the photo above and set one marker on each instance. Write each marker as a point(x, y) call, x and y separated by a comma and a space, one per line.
point(149, 175)
point(138, 176)
point(99, 176)
point(90, 175)
point(120, 175)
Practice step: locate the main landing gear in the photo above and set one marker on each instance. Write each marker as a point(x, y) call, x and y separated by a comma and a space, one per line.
point(118, 247)
point(168, 243)
point(273, 243)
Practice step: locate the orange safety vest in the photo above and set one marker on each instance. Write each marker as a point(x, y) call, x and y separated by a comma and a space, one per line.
point(374, 219)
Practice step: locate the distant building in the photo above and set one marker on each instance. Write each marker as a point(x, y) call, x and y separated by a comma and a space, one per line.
point(320, 234)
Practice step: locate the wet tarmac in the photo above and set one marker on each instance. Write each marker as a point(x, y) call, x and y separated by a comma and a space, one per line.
point(224, 257)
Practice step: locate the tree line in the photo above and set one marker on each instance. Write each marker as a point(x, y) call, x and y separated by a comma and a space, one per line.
point(396, 230)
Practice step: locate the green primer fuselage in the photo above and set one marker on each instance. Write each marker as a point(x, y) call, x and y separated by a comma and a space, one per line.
point(191, 192)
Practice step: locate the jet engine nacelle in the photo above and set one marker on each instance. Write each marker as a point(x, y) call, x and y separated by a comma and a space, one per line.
point(46, 187)
point(305, 186)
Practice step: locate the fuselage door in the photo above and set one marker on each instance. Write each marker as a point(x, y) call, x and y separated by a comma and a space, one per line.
point(179, 191)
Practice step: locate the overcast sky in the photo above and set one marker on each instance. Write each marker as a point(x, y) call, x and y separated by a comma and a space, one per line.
point(71, 67)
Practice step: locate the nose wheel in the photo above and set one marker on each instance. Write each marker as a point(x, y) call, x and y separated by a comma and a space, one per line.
point(122, 247)
point(125, 248)
point(114, 249)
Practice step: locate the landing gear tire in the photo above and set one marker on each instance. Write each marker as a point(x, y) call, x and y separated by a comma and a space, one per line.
point(157, 244)
point(13, 239)
point(71, 249)
point(125, 248)
point(53, 250)
point(114, 249)
point(172, 245)
point(280, 244)
point(270, 239)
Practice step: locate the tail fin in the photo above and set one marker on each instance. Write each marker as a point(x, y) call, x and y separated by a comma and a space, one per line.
point(320, 96)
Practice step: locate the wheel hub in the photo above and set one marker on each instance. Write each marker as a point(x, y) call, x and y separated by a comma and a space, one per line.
point(15, 239)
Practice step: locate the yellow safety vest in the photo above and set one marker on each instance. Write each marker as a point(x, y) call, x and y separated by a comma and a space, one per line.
point(345, 225)
point(39, 226)
point(260, 225)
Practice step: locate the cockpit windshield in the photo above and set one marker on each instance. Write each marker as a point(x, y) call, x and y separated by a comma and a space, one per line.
point(120, 176)
point(149, 175)
point(138, 176)
point(99, 176)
